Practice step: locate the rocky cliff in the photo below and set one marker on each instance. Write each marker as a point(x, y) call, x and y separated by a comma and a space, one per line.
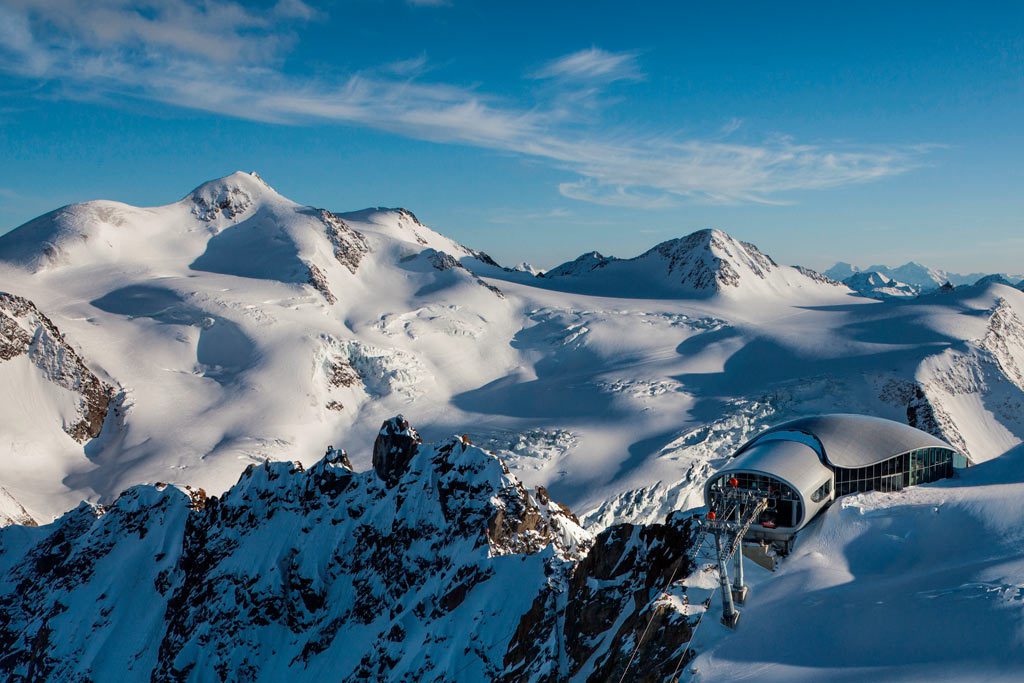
point(438, 564)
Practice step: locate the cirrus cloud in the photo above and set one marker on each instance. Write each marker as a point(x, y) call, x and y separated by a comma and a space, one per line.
point(222, 57)
point(593, 64)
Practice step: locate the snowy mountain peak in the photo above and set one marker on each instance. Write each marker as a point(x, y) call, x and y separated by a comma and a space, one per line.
point(527, 267)
point(704, 263)
point(994, 278)
point(230, 196)
point(841, 270)
point(918, 276)
point(711, 260)
point(584, 263)
point(878, 285)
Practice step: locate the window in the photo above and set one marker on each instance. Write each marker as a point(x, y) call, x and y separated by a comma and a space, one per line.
point(784, 506)
point(822, 492)
point(893, 474)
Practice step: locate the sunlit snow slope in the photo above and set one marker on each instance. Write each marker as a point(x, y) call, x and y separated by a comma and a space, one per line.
point(236, 325)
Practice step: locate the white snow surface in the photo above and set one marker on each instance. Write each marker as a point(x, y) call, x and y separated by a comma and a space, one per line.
point(922, 585)
point(203, 316)
point(237, 326)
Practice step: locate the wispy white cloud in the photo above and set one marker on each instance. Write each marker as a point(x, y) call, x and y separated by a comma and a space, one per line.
point(593, 64)
point(731, 126)
point(219, 56)
point(414, 66)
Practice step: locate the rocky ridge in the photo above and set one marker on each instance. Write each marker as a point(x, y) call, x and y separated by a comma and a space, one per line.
point(25, 331)
point(436, 564)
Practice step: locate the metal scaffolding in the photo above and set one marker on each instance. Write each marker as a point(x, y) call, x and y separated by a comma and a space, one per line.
point(736, 509)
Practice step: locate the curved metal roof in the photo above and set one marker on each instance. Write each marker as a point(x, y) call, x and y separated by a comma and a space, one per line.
point(795, 463)
point(849, 440)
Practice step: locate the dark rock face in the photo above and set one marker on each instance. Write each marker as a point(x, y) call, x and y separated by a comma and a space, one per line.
point(318, 280)
point(395, 445)
point(484, 257)
point(441, 260)
point(341, 374)
point(612, 584)
point(336, 457)
point(350, 246)
point(24, 330)
point(931, 418)
point(456, 571)
point(214, 200)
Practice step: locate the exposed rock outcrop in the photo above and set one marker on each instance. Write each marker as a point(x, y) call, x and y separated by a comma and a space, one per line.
point(24, 330)
point(396, 444)
point(13, 512)
point(456, 571)
point(227, 197)
point(350, 246)
point(711, 260)
point(818, 277)
point(319, 282)
point(600, 611)
point(443, 261)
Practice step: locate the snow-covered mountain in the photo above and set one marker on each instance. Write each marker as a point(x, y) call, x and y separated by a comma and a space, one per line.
point(879, 286)
point(914, 274)
point(235, 325)
point(153, 349)
point(704, 263)
point(224, 312)
point(526, 267)
point(581, 265)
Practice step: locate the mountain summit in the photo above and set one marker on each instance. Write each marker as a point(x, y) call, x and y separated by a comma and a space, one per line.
point(228, 197)
point(711, 260)
point(705, 263)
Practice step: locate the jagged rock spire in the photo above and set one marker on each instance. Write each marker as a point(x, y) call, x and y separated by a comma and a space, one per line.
point(393, 449)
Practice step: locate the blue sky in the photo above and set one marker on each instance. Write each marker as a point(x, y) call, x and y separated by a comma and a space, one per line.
point(867, 132)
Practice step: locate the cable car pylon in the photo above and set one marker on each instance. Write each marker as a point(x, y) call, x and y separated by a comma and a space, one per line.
point(738, 508)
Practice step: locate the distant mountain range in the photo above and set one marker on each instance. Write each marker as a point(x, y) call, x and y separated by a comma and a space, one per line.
point(918, 276)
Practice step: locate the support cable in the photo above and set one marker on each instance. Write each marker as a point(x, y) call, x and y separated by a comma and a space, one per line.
point(734, 507)
point(650, 621)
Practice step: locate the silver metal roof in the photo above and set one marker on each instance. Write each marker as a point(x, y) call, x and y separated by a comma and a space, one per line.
point(857, 440)
point(794, 462)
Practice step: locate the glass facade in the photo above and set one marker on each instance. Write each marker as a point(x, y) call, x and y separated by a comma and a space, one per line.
point(785, 508)
point(916, 467)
